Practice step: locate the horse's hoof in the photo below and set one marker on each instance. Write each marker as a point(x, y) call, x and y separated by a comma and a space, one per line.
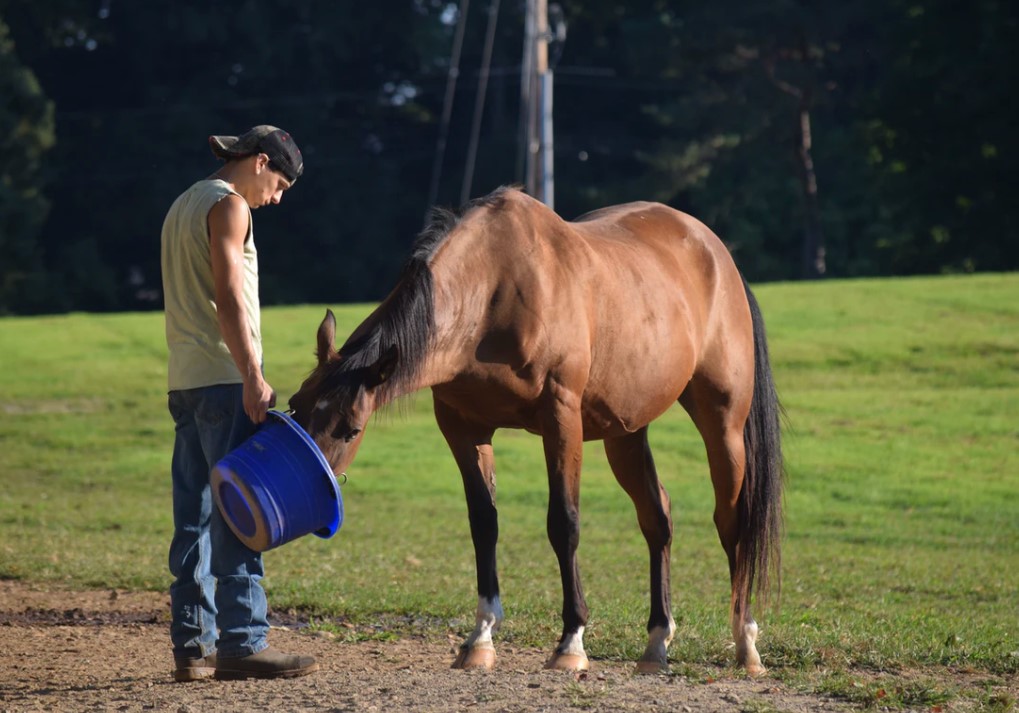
point(475, 657)
point(756, 670)
point(751, 663)
point(568, 662)
point(652, 667)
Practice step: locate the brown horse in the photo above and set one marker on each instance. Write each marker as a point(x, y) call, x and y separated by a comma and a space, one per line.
point(573, 331)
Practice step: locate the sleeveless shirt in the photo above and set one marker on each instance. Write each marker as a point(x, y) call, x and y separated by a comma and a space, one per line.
point(198, 354)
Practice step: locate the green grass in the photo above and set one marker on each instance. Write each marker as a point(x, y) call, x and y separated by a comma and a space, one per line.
point(902, 528)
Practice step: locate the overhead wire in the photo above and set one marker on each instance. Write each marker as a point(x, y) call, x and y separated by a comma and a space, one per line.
point(447, 105)
point(479, 101)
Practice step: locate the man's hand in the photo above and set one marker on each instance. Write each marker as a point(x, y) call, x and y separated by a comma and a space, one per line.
point(259, 397)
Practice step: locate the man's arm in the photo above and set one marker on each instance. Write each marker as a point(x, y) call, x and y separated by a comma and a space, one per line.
point(228, 229)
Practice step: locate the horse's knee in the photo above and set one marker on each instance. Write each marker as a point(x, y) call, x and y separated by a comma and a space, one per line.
point(657, 528)
point(727, 524)
point(484, 523)
point(563, 526)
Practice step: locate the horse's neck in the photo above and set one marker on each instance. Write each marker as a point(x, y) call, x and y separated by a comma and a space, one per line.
point(461, 300)
point(467, 270)
point(453, 330)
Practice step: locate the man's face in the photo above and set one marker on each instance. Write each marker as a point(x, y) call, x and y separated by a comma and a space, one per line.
point(269, 184)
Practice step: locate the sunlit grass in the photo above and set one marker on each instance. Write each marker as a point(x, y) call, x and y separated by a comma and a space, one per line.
point(902, 528)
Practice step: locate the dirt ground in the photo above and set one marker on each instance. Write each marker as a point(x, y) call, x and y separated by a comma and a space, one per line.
point(63, 651)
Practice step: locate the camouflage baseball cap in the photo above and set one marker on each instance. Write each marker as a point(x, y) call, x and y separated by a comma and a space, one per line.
point(284, 156)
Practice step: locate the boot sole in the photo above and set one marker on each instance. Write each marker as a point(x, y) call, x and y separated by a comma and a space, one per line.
point(239, 675)
point(190, 675)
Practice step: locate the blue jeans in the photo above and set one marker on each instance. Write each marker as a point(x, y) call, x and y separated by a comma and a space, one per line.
point(217, 577)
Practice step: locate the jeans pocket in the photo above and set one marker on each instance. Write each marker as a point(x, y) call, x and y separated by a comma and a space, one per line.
point(219, 405)
point(179, 404)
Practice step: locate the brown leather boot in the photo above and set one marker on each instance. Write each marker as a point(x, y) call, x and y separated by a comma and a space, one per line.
point(194, 669)
point(268, 663)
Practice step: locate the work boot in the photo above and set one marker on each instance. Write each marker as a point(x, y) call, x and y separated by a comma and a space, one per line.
point(194, 669)
point(268, 663)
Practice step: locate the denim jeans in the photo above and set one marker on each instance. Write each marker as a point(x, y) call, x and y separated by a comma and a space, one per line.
point(217, 577)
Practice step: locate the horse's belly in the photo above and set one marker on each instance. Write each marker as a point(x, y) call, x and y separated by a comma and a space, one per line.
point(636, 378)
point(600, 420)
point(502, 403)
point(626, 413)
point(626, 388)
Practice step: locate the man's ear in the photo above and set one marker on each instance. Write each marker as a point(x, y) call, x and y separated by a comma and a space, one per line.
point(326, 337)
point(381, 370)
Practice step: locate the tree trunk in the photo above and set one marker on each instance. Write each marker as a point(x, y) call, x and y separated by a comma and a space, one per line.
point(813, 261)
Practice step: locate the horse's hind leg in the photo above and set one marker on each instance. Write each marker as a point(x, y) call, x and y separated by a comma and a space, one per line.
point(471, 445)
point(634, 468)
point(720, 417)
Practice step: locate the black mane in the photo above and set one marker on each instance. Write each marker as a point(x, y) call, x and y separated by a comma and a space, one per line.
point(405, 319)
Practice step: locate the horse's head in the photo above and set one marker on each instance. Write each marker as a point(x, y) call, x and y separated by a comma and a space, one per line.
point(335, 402)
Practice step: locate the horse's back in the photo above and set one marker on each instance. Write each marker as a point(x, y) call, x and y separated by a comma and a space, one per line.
point(626, 301)
point(638, 247)
point(657, 228)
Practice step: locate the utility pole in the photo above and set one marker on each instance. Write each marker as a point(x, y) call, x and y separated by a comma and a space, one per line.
point(536, 98)
point(547, 186)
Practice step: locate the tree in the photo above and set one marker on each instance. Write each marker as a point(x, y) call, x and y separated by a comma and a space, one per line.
point(908, 165)
point(26, 134)
point(163, 75)
point(943, 146)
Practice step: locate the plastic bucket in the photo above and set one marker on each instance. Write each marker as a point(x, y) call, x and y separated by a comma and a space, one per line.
point(277, 486)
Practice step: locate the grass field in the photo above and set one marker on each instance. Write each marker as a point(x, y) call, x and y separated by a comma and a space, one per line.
point(902, 502)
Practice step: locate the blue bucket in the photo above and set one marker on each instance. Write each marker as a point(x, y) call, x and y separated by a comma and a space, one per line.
point(277, 486)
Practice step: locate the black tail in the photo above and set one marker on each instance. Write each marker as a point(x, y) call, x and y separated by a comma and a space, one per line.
point(760, 502)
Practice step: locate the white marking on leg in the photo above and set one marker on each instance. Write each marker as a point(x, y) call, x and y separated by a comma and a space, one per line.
point(745, 635)
point(487, 620)
point(573, 644)
point(658, 641)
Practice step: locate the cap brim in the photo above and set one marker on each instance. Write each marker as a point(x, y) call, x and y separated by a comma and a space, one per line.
point(223, 146)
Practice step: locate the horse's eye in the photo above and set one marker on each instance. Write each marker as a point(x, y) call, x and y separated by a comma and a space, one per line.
point(346, 433)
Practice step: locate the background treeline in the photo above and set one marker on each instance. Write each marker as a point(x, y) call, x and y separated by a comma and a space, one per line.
point(817, 138)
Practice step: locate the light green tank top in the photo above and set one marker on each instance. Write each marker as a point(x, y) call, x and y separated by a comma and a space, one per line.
point(198, 354)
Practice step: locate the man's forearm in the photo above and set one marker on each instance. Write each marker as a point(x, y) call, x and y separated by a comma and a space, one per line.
point(233, 325)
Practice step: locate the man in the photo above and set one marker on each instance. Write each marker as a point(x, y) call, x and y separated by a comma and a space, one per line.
point(217, 396)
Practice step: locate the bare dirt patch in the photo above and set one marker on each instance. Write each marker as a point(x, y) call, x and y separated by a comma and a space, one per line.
point(63, 651)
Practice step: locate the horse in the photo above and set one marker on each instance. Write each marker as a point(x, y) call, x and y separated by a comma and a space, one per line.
point(573, 331)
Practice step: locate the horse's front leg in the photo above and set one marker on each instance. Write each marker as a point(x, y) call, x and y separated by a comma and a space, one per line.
point(471, 445)
point(563, 442)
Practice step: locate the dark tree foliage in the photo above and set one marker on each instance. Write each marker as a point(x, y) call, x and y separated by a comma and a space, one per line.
point(26, 132)
point(907, 166)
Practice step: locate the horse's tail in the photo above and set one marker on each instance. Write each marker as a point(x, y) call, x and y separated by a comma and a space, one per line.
point(758, 555)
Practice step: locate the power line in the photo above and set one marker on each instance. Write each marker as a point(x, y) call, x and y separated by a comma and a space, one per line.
point(479, 101)
point(447, 107)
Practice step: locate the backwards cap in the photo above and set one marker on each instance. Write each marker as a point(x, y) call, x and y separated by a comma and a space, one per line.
point(284, 156)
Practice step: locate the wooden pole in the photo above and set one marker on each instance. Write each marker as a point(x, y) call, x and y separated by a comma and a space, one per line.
point(544, 89)
point(527, 100)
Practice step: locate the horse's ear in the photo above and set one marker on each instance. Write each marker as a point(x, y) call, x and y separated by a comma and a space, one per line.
point(380, 371)
point(326, 337)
